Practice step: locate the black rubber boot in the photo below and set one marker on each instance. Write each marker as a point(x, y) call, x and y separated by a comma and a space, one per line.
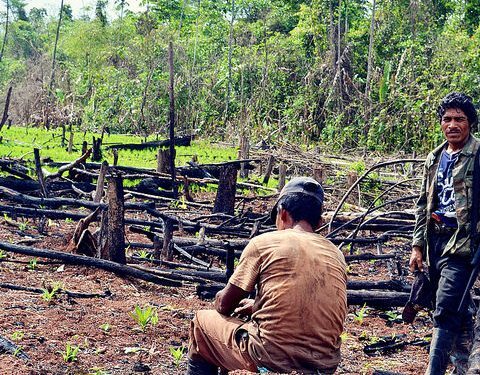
point(198, 366)
point(461, 349)
point(440, 348)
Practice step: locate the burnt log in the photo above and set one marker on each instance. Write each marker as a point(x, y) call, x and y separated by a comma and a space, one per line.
point(81, 260)
point(179, 141)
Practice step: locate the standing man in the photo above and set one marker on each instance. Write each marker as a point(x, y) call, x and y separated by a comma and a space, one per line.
point(297, 316)
point(442, 231)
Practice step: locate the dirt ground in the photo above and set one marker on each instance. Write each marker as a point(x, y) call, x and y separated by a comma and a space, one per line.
point(109, 341)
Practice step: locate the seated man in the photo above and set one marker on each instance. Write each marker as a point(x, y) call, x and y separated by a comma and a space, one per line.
point(297, 316)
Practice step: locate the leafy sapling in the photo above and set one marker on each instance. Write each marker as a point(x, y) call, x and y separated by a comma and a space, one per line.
point(177, 354)
point(145, 316)
point(71, 353)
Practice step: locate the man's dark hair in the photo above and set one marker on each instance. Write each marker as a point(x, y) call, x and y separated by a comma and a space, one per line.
point(302, 207)
point(461, 101)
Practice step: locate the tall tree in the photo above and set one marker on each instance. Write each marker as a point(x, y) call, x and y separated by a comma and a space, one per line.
point(54, 57)
point(101, 11)
point(2, 51)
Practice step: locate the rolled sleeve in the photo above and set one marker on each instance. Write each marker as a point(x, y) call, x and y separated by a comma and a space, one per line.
point(246, 274)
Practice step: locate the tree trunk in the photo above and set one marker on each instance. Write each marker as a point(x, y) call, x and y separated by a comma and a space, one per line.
point(225, 199)
point(5, 110)
point(172, 120)
point(229, 79)
point(54, 58)
point(6, 31)
point(112, 243)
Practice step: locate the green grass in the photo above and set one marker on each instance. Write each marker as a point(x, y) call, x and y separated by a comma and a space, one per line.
point(18, 142)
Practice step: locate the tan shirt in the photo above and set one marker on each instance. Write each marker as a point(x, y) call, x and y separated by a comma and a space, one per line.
point(301, 300)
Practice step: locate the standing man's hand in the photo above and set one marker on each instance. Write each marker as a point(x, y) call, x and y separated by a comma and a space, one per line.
point(416, 259)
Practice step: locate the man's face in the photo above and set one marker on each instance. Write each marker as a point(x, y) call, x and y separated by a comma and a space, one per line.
point(455, 127)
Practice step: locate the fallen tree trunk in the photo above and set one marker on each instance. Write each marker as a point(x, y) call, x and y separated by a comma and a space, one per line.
point(179, 141)
point(9, 347)
point(118, 269)
point(378, 299)
point(69, 293)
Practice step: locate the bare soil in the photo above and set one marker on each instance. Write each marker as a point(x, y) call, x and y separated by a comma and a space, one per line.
point(44, 329)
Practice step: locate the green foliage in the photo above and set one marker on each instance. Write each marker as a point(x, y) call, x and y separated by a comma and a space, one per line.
point(3, 254)
point(70, 353)
point(32, 264)
point(360, 315)
point(51, 292)
point(285, 85)
point(17, 335)
point(145, 316)
point(177, 354)
point(105, 327)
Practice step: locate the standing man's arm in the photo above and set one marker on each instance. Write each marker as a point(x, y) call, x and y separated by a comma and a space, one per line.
point(228, 299)
point(418, 243)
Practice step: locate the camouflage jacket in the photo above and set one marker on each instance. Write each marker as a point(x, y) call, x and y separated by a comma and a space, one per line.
point(462, 185)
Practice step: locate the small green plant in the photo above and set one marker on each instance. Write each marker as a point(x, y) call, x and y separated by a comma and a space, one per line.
point(177, 354)
point(105, 327)
point(69, 220)
point(360, 314)
point(393, 316)
point(344, 336)
point(22, 226)
point(17, 350)
point(49, 293)
point(97, 371)
point(32, 264)
point(71, 352)
point(17, 335)
point(3, 254)
point(144, 316)
point(144, 254)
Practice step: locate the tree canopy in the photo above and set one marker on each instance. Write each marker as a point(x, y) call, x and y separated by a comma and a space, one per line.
point(349, 74)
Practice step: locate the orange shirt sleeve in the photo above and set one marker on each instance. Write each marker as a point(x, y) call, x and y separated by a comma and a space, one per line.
point(246, 274)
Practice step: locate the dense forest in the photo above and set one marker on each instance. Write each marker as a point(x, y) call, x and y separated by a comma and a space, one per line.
point(349, 74)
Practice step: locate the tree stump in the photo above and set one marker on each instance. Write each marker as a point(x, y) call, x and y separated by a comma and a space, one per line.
point(163, 160)
point(268, 172)
point(167, 248)
point(97, 149)
point(318, 173)
point(112, 233)
point(115, 156)
point(227, 185)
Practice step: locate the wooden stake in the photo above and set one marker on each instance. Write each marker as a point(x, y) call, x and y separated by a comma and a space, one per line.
point(38, 168)
point(70, 141)
point(282, 172)
point(100, 182)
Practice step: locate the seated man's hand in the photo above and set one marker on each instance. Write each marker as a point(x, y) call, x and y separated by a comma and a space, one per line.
point(245, 307)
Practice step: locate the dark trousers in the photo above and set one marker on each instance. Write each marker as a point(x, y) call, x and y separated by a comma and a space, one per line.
point(449, 275)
